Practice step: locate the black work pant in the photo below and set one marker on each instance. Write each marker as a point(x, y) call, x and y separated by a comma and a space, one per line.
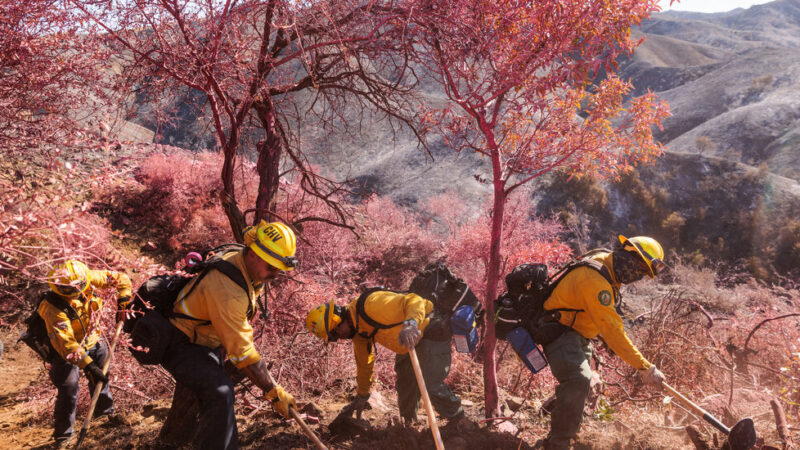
point(64, 376)
point(200, 369)
point(434, 361)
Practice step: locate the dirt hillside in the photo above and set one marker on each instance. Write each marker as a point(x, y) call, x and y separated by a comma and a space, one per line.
point(26, 399)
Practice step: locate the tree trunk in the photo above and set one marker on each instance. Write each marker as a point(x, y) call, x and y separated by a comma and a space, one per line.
point(228, 194)
point(268, 166)
point(780, 422)
point(493, 273)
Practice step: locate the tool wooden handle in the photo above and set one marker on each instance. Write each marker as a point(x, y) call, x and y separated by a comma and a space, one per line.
point(99, 386)
point(696, 409)
point(306, 429)
point(426, 399)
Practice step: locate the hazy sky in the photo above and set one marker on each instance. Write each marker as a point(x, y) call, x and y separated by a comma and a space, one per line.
point(710, 6)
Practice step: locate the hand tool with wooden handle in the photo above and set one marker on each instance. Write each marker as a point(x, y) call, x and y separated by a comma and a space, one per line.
point(742, 436)
point(99, 386)
point(427, 400)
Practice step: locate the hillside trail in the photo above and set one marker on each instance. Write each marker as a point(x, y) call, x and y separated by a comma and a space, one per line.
point(27, 397)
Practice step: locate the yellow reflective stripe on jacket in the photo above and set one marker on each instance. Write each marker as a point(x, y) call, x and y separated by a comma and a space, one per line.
point(386, 308)
point(180, 305)
point(585, 289)
point(249, 356)
point(223, 303)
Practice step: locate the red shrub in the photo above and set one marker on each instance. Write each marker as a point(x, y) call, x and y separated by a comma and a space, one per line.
point(177, 200)
point(525, 239)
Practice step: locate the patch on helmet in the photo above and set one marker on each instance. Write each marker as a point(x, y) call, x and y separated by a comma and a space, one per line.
point(604, 297)
point(62, 325)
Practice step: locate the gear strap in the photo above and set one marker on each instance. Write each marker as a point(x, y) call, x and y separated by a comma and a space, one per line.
point(63, 305)
point(582, 262)
point(361, 313)
point(228, 269)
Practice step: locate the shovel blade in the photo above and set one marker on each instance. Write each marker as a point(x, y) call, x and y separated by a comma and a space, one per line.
point(743, 435)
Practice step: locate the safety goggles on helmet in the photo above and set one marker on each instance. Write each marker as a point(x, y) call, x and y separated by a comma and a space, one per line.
point(653, 264)
point(656, 263)
point(73, 289)
point(290, 261)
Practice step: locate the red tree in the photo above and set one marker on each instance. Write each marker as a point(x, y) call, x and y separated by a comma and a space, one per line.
point(250, 59)
point(519, 77)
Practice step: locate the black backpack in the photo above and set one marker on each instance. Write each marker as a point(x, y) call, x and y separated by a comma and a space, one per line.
point(447, 292)
point(528, 287)
point(35, 335)
point(151, 332)
point(435, 283)
point(160, 292)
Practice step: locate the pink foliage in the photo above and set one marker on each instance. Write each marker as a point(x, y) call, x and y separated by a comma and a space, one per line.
point(174, 202)
point(329, 254)
point(448, 210)
point(179, 199)
point(386, 247)
point(525, 240)
point(517, 76)
point(393, 244)
point(45, 222)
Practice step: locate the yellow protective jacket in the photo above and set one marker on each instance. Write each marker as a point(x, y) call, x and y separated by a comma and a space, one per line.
point(223, 310)
point(584, 288)
point(69, 337)
point(386, 308)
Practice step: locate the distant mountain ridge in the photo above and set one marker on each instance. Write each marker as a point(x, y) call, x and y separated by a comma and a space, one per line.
point(733, 84)
point(729, 184)
point(734, 89)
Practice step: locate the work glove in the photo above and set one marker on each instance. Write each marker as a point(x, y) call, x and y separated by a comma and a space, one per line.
point(281, 400)
point(652, 376)
point(358, 404)
point(410, 334)
point(123, 303)
point(95, 373)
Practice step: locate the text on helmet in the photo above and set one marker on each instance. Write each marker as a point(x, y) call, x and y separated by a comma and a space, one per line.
point(273, 233)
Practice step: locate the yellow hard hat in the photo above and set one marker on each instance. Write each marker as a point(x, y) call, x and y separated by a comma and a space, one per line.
point(275, 243)
point(649, 249)
point(69, 279)
point(322, 319)
point(249, 232)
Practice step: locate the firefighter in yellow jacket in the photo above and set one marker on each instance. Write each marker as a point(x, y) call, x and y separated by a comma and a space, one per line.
point(397, 322)
point(586, 301)
point(212, 320)
point(78, 343)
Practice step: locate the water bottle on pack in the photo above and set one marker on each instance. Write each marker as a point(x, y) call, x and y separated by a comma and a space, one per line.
point(465, 332)
point(526, 349)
